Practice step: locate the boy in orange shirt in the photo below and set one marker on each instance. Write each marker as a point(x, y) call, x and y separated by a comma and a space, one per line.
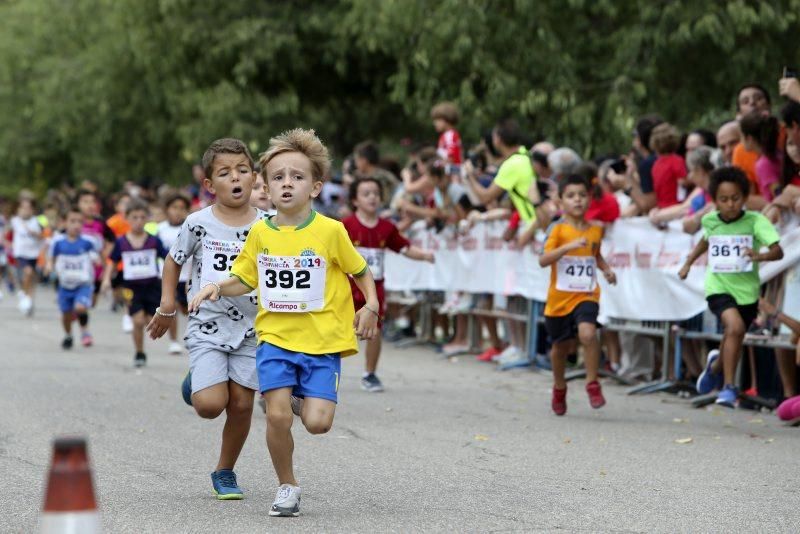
point(573, 249)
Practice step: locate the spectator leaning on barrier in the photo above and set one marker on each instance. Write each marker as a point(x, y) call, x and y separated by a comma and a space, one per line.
point(752, 97)
point(637, 182)
point(760, 136)
point(789, 199)
point(700, 166)
point(728, 137)
point(603, 207)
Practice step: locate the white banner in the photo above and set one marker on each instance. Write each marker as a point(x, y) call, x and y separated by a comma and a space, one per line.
point(645, 259)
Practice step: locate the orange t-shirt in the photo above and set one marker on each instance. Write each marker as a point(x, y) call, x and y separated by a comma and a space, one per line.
point(746, 160)
point(118, 225)
point(573, 267)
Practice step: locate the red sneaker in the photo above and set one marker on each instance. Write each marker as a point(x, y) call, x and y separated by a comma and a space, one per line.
point(488, 354)
point(596, 399)
point(752, 392)
point(559, 402)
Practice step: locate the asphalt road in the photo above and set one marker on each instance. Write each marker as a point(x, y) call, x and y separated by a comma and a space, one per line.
point(450, 446)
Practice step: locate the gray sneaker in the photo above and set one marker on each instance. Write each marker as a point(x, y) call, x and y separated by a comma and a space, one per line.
point(287, 502)
point(371, 383)
point(297, 405)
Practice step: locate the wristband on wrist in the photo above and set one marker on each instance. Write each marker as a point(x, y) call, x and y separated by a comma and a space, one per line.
point(216, 285)
point(168, 315)
point(373, 311)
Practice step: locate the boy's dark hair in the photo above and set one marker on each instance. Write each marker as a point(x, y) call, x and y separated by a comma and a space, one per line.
point(758, 86)
point(137, 204)
point(508, 131)
point(540, 158)
point(85, 193)
point(226, 145)
point(790, 113)
point(171, 198)
point(644, 127)
point(72, 208)
point(734, 175)
point(447, 111)
point(353, 191)
point(765, 130)
point(573, 179)
point(369, 151)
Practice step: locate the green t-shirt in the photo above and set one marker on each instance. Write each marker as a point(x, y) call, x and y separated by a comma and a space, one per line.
point(516, 176)
point(742, 286)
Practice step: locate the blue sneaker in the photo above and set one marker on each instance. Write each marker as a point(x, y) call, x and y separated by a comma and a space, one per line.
point(708, 381)
point(728, 396)
point(225, 486)
point(186, 389)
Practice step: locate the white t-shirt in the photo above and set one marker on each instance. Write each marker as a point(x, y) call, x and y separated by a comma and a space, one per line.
point(26, 244)
point(168, 234)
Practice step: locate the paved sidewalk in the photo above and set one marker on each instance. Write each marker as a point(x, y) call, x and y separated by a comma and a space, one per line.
point(450, 446)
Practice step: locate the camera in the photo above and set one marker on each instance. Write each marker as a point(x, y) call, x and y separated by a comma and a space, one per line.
point(789, 72)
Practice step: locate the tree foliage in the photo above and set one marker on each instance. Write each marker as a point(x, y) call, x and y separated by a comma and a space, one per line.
point(123, 89)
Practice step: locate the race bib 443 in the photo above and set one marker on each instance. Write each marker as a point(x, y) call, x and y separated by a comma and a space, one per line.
point(293, 284)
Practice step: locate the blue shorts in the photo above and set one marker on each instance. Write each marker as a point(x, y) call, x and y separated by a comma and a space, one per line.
point(308, 376)
point(69, 298)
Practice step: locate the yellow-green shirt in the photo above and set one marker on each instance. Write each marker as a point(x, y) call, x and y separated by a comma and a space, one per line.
point(287, 265)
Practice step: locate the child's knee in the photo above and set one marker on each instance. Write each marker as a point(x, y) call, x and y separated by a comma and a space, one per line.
point(280, 417)
point(139, 320)
point(317, 425)
point(240, 405)
point(735, 329)
point(208, 410)
point(587, 334)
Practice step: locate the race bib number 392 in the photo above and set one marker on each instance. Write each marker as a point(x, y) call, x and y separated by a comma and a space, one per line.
point(293, 284)
point(726, 253)
point(576, 274)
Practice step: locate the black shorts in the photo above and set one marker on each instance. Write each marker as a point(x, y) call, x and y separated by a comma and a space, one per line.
point(180, 294)
point(145, 297)
point(719, 303)
point(565, 327)
point(117, 280)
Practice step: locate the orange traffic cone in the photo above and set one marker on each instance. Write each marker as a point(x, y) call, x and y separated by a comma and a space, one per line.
point(69, 504)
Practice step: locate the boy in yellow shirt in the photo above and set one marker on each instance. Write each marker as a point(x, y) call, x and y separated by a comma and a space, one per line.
point(298, 260)
point(573, 300)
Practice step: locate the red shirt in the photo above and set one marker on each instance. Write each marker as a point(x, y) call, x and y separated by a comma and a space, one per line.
point(604, 209)
point(449, 146)
point(667, 170)
point(372, 242)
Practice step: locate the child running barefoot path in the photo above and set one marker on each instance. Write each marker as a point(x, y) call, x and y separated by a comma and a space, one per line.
point(733, 238)
point(299, 261)
point(219, 336)
point(573, 250)
point(371, 236)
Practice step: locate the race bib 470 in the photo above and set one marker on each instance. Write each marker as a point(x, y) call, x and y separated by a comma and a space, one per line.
point(576, 274)
point(293, 284)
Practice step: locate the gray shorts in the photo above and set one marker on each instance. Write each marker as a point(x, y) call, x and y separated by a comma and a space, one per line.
point(211, 365)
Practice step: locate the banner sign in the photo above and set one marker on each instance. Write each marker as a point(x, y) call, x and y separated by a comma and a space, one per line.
point(645, 258)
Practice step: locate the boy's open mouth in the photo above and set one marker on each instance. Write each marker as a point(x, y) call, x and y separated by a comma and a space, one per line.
point(236, 191)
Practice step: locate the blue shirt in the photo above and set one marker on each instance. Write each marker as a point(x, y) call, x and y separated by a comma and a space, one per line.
point(73, 261)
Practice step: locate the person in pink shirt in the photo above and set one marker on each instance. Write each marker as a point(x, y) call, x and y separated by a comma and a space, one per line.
point(760, 134)
point(669, 169)
point(445, 119)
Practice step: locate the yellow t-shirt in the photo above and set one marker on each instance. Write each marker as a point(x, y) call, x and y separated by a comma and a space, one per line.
point(304, 299)
point(573, 267)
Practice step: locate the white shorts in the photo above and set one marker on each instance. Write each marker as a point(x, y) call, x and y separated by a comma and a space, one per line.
point(211, 365)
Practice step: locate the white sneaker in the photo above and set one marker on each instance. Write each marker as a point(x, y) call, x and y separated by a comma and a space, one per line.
point(502, 355)
point(26, 305)
point(511, 356)
point(287, 502)
point(175, 348)
point(127, 324)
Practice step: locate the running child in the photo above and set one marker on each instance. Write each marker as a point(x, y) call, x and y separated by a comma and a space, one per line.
point(139, 253)
point(101, 236)
point(26, 245)
point(733, 238)
point(176, 208)
point(371, 236)
point(573, 299)
point(220, 336)
point(299, 261)
point(73, 259)
point(6, 272)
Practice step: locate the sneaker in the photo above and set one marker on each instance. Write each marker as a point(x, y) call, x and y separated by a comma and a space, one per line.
point(752, 392)
point(488, 354)
point(86, 339)
point(509, 356)
point(225, 486)
point(287, 502)
point(140, 359)
point(559, 401)
point(708, 381)
point(595, 392)
point(67, 343)
point(542, 361)
point(186, 388)
point(127, 324)
point(503, 353)
point(175, 348)
point(26, 305)
point(297, 405)
point(728, 396)
point(452, 349)
point(371, 383)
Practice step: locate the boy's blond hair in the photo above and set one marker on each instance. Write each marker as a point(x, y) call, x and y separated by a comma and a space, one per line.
point(306, 143)
point(447, 111)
